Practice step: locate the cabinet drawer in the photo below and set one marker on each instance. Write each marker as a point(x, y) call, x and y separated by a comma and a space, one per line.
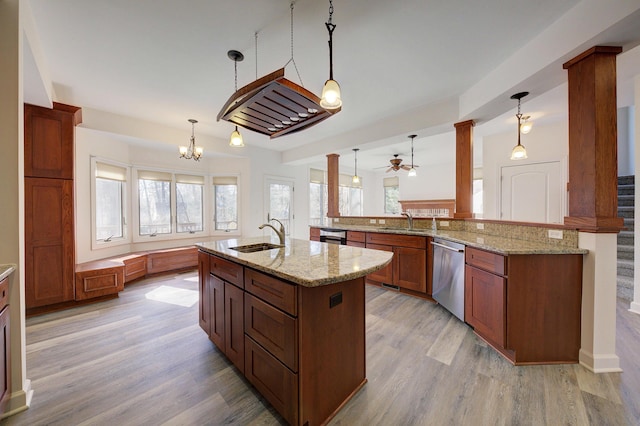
point(397, 240)
point(314, 234)
point(4, 293)
point(276, 331)
point(360, 237)
point(278, 293)
point(228, 271)
point(135, 267)
point(274, 381)
point(491, 262)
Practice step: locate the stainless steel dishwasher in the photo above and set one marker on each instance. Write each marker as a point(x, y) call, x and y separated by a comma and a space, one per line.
point(448, 275)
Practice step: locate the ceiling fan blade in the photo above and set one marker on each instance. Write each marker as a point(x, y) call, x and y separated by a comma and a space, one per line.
point(389, 169)
point(403, 167)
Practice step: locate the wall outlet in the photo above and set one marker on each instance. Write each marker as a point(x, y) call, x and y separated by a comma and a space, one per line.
point(555, 233)
point(335, 219)
point(372, 221)
point(444, 223)
point(381, 221)
point(480, 225)
point(480, 240)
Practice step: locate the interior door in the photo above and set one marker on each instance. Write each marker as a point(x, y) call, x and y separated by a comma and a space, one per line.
point(532, 192)
point(279, 202)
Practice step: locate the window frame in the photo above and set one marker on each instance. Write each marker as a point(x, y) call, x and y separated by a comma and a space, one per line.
point(211, 219)
point(126, 205)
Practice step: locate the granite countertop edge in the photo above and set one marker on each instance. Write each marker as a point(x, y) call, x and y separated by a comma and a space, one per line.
point(252, 260)
point(496, 244)
point(6, 269)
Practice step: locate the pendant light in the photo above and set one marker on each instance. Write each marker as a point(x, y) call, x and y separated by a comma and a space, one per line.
point(356, 178)
point(192, 151)
point(519, 152)
point(331, 97)
point(412, 170)
point(526, 125)
point(236, 140)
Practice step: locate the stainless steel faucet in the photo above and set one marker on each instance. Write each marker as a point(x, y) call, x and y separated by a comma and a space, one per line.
point(279, 233)
point(409, 219)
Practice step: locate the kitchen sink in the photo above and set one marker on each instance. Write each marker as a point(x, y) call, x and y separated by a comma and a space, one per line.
point(252, 248)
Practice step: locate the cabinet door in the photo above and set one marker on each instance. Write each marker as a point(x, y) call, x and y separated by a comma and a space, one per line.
point(216, 306)
point(49, 241)
point(49, 141)
point(5, 362)
point(234, 325)
point(384, 275)
point(485, 304)
point(356, 244)
point(410, 269)
point(204, 303)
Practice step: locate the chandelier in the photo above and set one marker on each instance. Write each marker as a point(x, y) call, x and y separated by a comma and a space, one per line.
point(192, 151)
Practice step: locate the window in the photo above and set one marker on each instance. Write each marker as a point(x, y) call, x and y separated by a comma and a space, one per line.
point(391, 195)
point(317, 197)
point(225, 195)
point(189, 203)
point(154, 202)
point(350, 196)
point(109, 205)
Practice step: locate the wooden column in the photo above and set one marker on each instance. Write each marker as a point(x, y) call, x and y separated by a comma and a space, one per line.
point(593, 164)
point(464, 169)
point(333, 176)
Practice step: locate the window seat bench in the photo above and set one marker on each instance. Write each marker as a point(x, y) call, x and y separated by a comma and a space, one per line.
point(103, 277)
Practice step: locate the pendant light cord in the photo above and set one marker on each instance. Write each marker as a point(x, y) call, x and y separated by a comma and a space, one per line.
point(330, 27)
point(256, 37)
point(293, 60)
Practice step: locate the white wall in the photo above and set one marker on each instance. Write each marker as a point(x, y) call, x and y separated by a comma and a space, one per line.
point(626, 141)
point(252, 168)
point(544, 143)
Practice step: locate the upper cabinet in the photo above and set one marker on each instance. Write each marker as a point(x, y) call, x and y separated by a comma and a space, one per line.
point(49, 140)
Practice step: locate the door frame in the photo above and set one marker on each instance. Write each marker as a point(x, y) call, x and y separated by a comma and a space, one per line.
point(268, 179)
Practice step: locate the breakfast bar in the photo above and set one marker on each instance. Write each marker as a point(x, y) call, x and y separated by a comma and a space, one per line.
point(291, 318)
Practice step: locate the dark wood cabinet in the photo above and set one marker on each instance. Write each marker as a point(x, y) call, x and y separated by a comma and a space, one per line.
point(356, 238)
point(5, 346)
point(408, 269)
point(527, 307)
point(314, 234)
point(49, 141)
point(303, 348)
point(49, 242)
point(204, 305)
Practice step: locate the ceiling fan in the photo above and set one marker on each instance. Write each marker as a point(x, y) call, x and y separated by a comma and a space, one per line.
point(396, 164)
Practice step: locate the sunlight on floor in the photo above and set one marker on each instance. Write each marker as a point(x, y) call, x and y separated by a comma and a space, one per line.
point(173, 295)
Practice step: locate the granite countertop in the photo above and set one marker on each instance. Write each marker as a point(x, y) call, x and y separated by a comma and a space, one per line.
point(6, 270)
point(308, 263)
point(496, 244)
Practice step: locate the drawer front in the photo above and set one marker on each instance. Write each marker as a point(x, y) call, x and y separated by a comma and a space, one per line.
point(314, 234)
point(4, 293)
point(491, 262)
point(135, 268)
point(360, 237)
point(274, 381)
point(228, 271)
point(276, 331)
point(101, 282)
point(397, 240)
point(278, 293)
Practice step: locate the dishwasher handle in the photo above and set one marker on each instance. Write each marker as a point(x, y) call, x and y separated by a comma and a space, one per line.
point(447, 247)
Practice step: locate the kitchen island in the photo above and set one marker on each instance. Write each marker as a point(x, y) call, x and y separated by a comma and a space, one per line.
point(291, 319)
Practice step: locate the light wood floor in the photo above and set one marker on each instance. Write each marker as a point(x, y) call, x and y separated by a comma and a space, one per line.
point(138, 361)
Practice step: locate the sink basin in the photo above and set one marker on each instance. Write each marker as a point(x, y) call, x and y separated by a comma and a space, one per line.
point(251, 248)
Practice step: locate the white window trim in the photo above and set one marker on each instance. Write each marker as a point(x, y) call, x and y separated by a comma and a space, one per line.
point(211, 205)
point(126, 239)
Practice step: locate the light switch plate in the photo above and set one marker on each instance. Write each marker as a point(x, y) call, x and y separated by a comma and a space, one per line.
point(480, 225)
point(555, 233)
point(381, 221)
point(444, 223)
point(372, 221)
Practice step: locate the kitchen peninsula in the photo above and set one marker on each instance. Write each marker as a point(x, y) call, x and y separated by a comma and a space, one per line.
point(291, 318)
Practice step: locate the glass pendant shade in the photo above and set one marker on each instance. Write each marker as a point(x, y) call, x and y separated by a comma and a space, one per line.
point(526, 127)
point(183, 150)
point(331, 98)
point(356, 179)
point(236, 139)
point(518, 152)
point(412, 172)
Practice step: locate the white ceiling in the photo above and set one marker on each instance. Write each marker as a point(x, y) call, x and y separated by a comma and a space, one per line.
point(165, 62)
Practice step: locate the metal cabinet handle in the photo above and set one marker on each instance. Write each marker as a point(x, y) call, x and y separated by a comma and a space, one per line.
point(447, 247)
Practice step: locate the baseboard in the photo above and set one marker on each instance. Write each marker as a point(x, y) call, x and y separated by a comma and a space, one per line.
point(600, 363)
point(635, 307)
point(19, 401)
